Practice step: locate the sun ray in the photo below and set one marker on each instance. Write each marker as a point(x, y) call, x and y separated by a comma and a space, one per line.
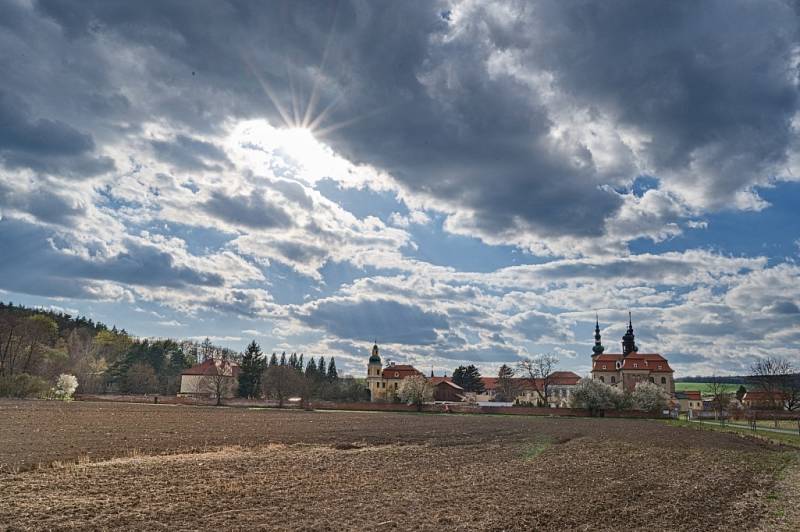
point(269, 92)
point(313, 100)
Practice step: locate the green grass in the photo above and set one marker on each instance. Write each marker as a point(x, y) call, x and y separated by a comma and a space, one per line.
point(702, 387)
point(535, 449)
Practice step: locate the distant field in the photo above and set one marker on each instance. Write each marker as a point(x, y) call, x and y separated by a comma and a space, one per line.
point(703, 387)
point(123, 466)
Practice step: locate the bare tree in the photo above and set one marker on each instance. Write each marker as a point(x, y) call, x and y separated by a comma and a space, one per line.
point(540, 371)
point(720, 398)
point(774, 376)
point(219, 380)
point(281, 382)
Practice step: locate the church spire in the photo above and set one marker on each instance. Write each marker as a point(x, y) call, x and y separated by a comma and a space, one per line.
point(598, 346)
point(629, 340)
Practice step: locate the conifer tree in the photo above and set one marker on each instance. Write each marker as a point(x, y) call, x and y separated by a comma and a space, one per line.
point(333, 375)
point(273, 361)
point(469, 378)
point(321, 368)
point(293, 361)
point(300, 365)
point(251, 369)
point(311, 369)
point(283, 358)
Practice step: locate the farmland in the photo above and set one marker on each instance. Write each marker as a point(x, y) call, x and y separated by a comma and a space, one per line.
point(703, 387)
point(102, 465)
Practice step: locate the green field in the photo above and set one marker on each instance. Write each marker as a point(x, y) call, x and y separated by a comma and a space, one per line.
point(703, 387)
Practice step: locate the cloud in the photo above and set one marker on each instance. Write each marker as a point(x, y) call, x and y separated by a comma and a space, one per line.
point(249, 211)
point(374, 319)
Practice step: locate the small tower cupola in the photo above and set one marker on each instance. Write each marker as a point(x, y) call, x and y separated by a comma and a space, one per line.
point(628, 339)
point(598, 346)
point(375, 358)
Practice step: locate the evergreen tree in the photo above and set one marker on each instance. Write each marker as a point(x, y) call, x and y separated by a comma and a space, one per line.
point(283, 358)
point(311, 369)
point(740, 392)
point(506, 386)
point(293, 361)
point(273, 361)
point(333, 375)
point(321, 368)
point(469, 378)
point(300, 365)
point(251, 369)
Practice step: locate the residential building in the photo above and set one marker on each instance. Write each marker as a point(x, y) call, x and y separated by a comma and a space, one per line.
point(689, 400)
point(761, 400)
point(625, 370)
point(209, 377)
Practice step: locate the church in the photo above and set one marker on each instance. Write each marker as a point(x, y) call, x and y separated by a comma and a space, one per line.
point(625, 370)
point(384, 382)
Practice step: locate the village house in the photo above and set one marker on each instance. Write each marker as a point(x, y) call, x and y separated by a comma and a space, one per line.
point(625, 370)
point(209, 377)
point(689, 400)
point(384, 384)
point(761, 400)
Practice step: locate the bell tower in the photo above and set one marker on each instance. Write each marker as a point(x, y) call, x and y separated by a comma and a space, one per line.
point(629, 340)
point(374, 368)
point(598, 348)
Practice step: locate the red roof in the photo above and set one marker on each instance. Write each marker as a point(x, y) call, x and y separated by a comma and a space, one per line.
point(399, 371)
point(212, 367)
point(653, 362)
point(559, 378)
point(446, 382)
point(763, 396)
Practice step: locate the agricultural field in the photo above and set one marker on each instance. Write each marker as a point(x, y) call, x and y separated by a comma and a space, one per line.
point(89, 465)
point(703, 387)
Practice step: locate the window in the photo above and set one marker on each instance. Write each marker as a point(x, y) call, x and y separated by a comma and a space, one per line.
point(604, 366)
point(603, 379)
point(652, 380)
point(663, 380)
point(659, 366)
point(613, 380)
point(635, 365)
point(396, 374)
point(395, 386)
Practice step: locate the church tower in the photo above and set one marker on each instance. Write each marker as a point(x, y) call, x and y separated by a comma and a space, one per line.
point(629, 340)
point(598, 346)
point(374, 368)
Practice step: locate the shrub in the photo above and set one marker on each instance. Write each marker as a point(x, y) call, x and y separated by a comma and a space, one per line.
point(22, 385)
point(65, 387)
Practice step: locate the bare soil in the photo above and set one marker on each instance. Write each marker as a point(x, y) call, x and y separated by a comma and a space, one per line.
point(154, 467)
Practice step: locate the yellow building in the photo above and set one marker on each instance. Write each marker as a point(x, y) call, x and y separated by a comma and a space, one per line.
point(383, 382)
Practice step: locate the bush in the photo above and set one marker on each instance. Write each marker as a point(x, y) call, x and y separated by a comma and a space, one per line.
point(595, 396)
point(65, 387)
point(23, 385)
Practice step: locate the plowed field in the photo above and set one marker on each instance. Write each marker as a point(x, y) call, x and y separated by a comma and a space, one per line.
point(150, 467)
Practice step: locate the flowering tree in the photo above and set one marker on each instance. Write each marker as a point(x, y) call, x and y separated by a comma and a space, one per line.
point(65, 387)
point(594, 395)
point(650, 397)
point(416, 390)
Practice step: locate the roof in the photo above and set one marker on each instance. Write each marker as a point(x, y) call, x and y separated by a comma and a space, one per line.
point(557, 378)
point(212, 367)
point(691, 395)
point(399, 371)
point(762, 396)
point(444, 382)
point(653, 362)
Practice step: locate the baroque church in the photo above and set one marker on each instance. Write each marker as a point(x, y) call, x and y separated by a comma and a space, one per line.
point(626, 369)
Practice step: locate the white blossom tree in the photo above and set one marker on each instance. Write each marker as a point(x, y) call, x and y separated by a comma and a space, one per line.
point(594, 395)
point(65, 387)
point(650, 397)
point(416, 391)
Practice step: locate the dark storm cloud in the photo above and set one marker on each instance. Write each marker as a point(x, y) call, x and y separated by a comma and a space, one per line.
point(711, 84)
point(387, 321)
point(45, 145)
point(32, 264)
point(43, 203)
point(250, 211)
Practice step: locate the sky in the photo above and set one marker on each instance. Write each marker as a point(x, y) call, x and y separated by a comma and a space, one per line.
point(462, 182)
